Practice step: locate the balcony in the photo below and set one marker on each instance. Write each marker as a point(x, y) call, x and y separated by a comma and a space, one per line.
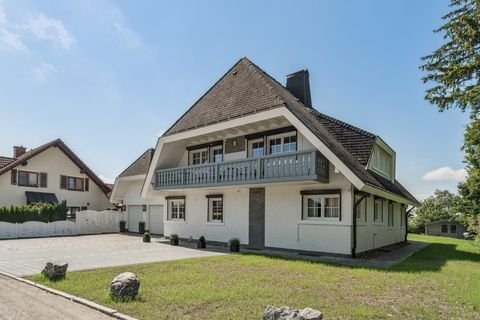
point(295, 166)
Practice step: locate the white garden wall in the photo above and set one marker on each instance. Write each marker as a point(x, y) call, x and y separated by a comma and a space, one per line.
point(86, 222)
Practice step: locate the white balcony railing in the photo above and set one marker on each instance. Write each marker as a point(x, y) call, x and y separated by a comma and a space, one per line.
point(294, 166)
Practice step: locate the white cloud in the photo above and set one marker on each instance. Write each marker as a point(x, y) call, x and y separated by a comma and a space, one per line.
point(128, 35)
point(46, 28)
point(106, 179)
point(446, 173)
point(11, 40)
point(43, 71)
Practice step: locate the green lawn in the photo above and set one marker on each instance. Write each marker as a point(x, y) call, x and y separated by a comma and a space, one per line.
point(440, 282)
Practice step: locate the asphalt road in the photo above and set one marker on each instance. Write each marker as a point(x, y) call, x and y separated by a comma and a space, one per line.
point(20, 301)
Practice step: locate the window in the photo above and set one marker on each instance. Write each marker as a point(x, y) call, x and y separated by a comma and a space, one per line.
point(318, 206)
point(453, 228)
point(382, 162)
point(27, 179)
point(176, 208)
point(444, 228)
point(257, 149)
point(290, 144)
point(72, 212)
point(199, 157)
point(275, 145)
point(217, 154)
point(43, 180)
point(361, 209)
point(378, 210)
point(215, 209)
point(390, 214)
point(72, 183)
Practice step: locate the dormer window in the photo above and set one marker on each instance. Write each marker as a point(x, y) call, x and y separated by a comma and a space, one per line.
point(382, 162)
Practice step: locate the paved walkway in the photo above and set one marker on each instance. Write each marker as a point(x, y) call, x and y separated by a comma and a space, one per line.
point(28, 256)
point(21, 301)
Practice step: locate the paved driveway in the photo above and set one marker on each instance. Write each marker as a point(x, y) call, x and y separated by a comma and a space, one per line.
point(28, 256)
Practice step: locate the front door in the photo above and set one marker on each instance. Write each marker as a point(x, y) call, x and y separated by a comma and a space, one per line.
point(256, 221)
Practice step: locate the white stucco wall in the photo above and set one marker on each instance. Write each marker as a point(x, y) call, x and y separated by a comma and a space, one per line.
point(55, 163)
point(371, 235)
point(284, 227)
point(195, 225)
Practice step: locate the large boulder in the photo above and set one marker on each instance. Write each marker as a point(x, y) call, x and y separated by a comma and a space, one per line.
point(125, 286)
point(286, 313)
point(55, 270)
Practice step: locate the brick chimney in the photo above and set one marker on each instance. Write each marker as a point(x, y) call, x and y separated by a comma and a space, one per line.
point(298, 84)
point(18, 151)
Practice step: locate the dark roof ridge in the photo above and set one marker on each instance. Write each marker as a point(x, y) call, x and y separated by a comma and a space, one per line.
point(344, 124)
point(149, 150)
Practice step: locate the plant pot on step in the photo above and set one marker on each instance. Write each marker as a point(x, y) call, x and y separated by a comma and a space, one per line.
point(174, 240)
point(201, 243)
point(234, 245)
point(146, 237)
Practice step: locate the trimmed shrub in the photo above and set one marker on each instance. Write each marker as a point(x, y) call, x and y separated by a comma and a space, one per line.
point(42, 212)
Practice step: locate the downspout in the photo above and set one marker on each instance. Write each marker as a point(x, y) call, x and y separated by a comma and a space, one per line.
point(354, 222)
point(406, 222)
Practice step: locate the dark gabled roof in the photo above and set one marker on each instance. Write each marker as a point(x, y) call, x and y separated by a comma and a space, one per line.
point(5, 161)
point(247, 89)
point(58, 143)
point(139, 166)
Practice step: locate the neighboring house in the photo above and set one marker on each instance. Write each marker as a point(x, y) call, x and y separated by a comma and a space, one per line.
point(51, 173)
point(446, 228)
point(253, 160)
point(126, 195)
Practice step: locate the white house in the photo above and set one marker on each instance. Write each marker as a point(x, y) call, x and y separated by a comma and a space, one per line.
point(126, 195)
point(51, 173)
point(252, 159)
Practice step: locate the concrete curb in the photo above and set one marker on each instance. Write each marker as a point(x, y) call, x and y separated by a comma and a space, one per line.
point(92, 305)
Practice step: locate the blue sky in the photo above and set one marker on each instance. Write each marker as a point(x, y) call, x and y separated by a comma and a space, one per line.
point(109, 76)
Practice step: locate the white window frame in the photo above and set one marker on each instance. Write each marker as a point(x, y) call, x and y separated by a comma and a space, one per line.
point(200, 152)
point(361, 208)
point(378, 216)
point(212, 207)
point(323, 199)
point(250, 147)
point(177, 203)
point(282, 137)
point(382, 162)
point(391, 215)
point(212, 153)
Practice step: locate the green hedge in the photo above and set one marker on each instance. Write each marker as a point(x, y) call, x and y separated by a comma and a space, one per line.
point(43, 212)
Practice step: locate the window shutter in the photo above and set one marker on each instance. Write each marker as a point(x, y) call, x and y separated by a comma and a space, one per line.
point(63, 182)
point(86, 184)
point(43, 180)
point(14, 176)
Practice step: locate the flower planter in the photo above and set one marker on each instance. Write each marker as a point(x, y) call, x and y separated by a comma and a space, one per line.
point(174, 242)
point(146, 239)
point(201, 244)
point(234, 247)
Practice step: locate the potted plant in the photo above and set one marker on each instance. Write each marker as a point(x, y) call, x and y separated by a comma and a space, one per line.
point(201, 243)
point(146, 237)
point(234, 245)
point(174, 239)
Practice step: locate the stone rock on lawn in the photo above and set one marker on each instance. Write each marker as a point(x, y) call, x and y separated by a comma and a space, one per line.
point(55, 270)
point(125, 286)
point(286, 313)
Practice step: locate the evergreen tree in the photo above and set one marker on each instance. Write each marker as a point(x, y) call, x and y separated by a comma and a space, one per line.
point(454, 68)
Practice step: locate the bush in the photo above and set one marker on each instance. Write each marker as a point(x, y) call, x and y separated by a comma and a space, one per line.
point(174, 236)
point(42, 212)
point(201, 239)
